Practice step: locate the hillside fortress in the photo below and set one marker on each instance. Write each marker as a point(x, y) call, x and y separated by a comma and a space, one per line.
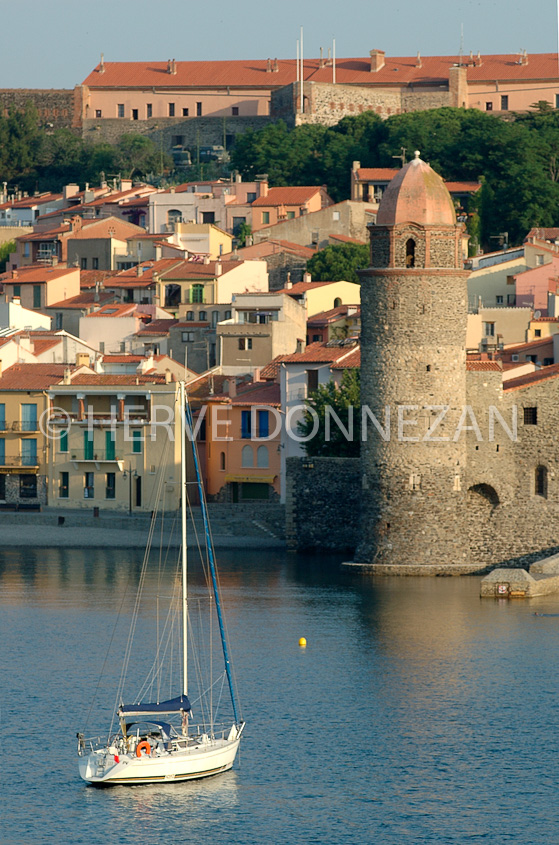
point(458, 469)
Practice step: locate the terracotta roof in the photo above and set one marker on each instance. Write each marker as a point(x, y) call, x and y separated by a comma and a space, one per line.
point(192, 323)
point(545, 234)
point(123, 359)
point(483, 366)
point(287, 196)
point(118, 378)
point(529, 379)
point(32, 376)
point(186, 270)
point(36, 275)
point(319, 353)
point(107, 227)
point(352, 71)
point(379, 174)
point(463, 187)
point(352, 361)
point(89, 278)
point(41, 346)
point(117, 309)
point(148, 236)
point(416, 194)
point(84, 300)
point(334, 314)
point(299, 288)
point(157, 327)
point(524, 347)
point(544, 320)
point(31, 202)
point(271, 371)
point(346, 239)
point(254, 393)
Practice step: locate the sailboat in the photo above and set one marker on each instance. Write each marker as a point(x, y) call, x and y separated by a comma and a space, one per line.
point(156, 741)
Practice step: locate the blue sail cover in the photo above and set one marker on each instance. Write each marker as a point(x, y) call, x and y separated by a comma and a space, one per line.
point(173, 705)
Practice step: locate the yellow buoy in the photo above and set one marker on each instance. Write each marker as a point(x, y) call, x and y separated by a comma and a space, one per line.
point(302, 642)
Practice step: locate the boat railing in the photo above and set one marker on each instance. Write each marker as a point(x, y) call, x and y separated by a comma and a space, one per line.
point(88, 745)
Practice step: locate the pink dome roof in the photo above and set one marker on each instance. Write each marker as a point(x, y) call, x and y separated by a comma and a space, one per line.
point(416, 195)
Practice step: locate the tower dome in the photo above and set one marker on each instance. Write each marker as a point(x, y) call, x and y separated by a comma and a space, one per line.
point(416, 195)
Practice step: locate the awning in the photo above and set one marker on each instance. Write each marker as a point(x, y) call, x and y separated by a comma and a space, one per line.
point(250, 479)
point(173, 705)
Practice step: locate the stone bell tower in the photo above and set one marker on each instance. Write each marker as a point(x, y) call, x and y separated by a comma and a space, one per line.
point(413, 374)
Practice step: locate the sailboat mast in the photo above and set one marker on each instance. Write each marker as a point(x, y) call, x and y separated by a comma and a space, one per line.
point(182, 433)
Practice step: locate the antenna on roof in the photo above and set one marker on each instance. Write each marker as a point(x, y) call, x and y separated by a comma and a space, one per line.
point(461, 61)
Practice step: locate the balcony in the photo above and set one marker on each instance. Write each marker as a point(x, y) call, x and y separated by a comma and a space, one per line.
point(23, 425)
point(17, 462)
point(97, 457)
point(102, 419)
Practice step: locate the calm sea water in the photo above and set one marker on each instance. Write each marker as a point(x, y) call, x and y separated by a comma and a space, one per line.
point(416, 714)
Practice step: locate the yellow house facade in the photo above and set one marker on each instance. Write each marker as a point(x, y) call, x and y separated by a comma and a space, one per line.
point(116, 443)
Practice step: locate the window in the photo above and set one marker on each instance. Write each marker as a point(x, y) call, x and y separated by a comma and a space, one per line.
point(337, 302)
point(58, 319)
point(489, 329)
point(222, 461)
point(174, 216)
point(245, 343)
point(410, 253)
point(134, 114)
point(178, 140)
point(234, 111)
point(95, 263)
point(29, 452)
point(504, 102)
point(88, 485)
point(63, 442)
point(539, 260)
point(187, 337)
point(247, 458)
point(29, 417)
point(290, 215)
point(312, 380)
point(547, 362)
point(171, 109)
point(263, 418)
point(251, 196)
point(532, 358)
point(197, 294)
point(136, 441)
point(190, 315)
point(265, 217)
point(2, 487)
point(511, 299)
point(530, 416)
point(540, 485)
point(208, 217)
point(98, 113)
point(215, 318)
point(110, 445)
point(185, 112)
point(557, 101)
point(262, 457)
point(28, 487)
point(316, 338)
point(203, 316)
point(489, 107)
point(511, 280)
point(36, 296)
point(2, 451)
point(110, 485)
point(227, 315)
point(88, 445)
point(63, 485)
point(149, 110)
point(245, 425)
point(499, 300)
point(138, 496)
point(83, 263)
point(537, 332)
point(335, 216)
point(198, 109)
point(17, 290)
point(120, 110)
point(2, 417)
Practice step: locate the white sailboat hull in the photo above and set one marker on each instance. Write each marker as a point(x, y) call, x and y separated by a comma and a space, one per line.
point(198, 761)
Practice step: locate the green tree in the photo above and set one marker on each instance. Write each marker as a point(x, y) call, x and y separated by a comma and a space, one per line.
point(243, 232)
point(5, 249)
point(338, 412)
point(138, 155)
point(339, 263)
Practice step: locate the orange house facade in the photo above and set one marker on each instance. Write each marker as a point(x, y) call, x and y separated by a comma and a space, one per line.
point(239, 441)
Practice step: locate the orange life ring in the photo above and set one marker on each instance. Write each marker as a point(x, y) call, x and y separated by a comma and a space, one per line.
point(143, 746)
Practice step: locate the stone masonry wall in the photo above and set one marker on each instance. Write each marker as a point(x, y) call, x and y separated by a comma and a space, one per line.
point(195, 131)
point(55, 106)
point(323, 501)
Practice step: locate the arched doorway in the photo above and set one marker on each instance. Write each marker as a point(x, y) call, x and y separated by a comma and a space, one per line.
point(482, 506)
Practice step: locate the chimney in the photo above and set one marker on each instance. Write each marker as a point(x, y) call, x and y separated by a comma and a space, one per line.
point(96, 294)
point(70, 190)
point(377, 60)
point(67, 376)
point(321, 63)
point(171, 66)
point(75, 224)
point(138, 269)
point(14, 274)
point(167, 376)
point(478, 61)
point(256, 376)
point(418, 62)
point(307, 278)
point(232, 389)
point(82, 359)
point(275, 66)
point(102, 64)
point(218, 268)
point(356, 166)
point(206, 259)
point(268, 65)
point(263, 183)
point(289, 283)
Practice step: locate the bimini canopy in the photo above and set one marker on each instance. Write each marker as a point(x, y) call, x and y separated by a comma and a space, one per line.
point(165, 728)
point(180, 704)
